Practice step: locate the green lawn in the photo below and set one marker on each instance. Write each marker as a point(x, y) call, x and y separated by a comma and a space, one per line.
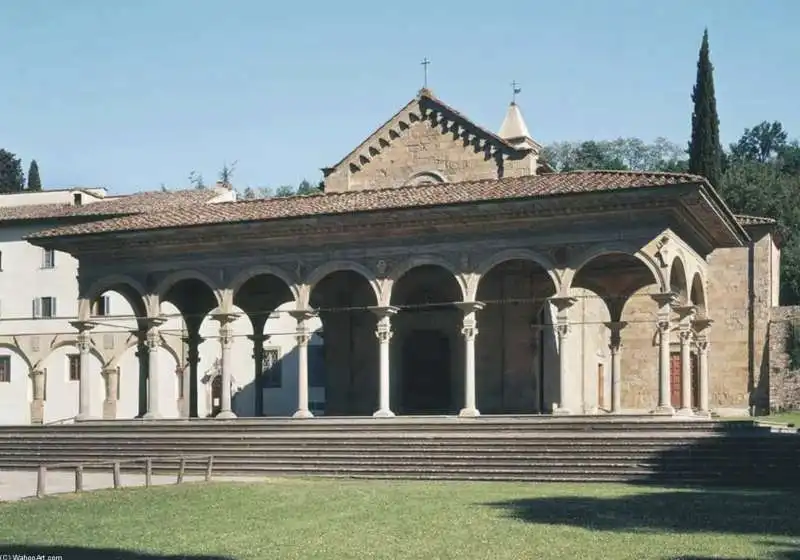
point(326, 519)
point(785, 417)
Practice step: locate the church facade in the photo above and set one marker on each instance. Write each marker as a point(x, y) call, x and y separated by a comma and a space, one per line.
point(449, 270)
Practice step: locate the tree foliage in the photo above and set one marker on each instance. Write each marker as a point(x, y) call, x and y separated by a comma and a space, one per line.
point(630, 154)
point(705, 150)
point(34, 181)
point(11, 177)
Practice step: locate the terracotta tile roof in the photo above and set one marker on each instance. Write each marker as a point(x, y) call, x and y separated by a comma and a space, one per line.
point(754, 220)
point(379, 199)
point(116, 206)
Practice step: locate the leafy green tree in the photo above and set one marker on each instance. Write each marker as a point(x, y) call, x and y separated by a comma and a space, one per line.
point(226, 174)
point(762, 143)
point(249, 194)
point(11, 177)
point(34, 181)
point(285, 190)
point(196, 180)
point(621, 154)
point(705, 151)
point(307, 188)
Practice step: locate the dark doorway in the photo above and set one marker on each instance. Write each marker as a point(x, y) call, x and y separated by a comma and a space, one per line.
point(426, 385)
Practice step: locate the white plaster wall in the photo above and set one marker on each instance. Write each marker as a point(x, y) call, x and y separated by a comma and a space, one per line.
point(15, 396)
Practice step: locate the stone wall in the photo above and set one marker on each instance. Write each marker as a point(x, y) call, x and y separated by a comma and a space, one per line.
point(784, 380)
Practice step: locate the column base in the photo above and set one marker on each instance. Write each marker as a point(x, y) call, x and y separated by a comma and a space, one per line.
point(226, 415)
point(383, 413)
point(37, 412)
point(663, 410)
point(702, 413)
point(303, 414)
point(560, 411)
point(684, 412)
point(109, 410)
point(469, 413)
point(80, 417)
point(151, 416)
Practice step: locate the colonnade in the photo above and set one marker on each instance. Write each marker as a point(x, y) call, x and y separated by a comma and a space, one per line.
point(690, 328)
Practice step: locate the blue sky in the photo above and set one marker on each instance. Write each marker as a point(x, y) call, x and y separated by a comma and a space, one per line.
point(129, 95)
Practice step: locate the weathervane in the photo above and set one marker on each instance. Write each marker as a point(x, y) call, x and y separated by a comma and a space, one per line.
point(515, 89)
point(425, 63)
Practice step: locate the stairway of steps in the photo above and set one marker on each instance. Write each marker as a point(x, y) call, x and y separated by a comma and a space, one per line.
point(602, 449)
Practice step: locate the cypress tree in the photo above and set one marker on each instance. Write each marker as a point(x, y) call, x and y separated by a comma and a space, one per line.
point(12, 179)
point(705, 151)
point(34, 182)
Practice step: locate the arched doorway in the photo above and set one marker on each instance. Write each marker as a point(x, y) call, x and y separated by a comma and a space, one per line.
point(426, 385)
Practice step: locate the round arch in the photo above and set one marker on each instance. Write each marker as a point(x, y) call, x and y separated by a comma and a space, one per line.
point(511, 255)
point(425, 178)
point(126, 286)
point(172, 279)
point(697, 295)
point(322, 271)
point(415, 262)
point(19, 352)
point(597, 252)
point(261, 270)
point(678, 280)
point(74, 343)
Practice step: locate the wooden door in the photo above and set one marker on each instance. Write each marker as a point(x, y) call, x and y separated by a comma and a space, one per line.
point(675, 379)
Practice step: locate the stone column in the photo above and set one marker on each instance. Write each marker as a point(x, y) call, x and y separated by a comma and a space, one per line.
point(258, 340)
point(563, 329)
point(303, 335)
point(384, 334)
point(226, 364)
point(685, 314)
point(37, 403)
point(470, 330)
point(193, 342)
point(664, 301)
point(615, 349)
point(111, 378)
point(84, 384)
point(701, 342)
point(153, 341)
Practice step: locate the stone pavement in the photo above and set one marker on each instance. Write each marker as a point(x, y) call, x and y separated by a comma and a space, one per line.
point(16, 485)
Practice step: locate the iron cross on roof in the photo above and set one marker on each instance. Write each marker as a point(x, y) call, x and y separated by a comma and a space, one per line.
point(425, 63)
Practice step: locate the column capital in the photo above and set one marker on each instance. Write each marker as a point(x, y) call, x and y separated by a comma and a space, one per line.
point(83, 326)
point(701, 325)
point(562, 329)
point(301, 315)
point(384, 311)
point(685, 336)
point(225, 318)
point(108, 370)
point(685, 312)
point(468, 307)
point(469, 332)
point(702, 344)
point(665, 299)
point(663, 325)
point(35, 372)
point(562, 303)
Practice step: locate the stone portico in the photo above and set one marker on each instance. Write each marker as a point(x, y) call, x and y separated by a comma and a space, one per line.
point(453, 273)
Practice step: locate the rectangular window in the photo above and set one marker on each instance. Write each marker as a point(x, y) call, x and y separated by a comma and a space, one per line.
point(271, 369)
point(316, 365)
point(48, 258)
point(74, 367)
point(44, 307)
point(101, 306)
point(5, 369)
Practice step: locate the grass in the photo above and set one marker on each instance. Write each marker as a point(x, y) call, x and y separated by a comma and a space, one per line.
point(784, 417)
point(328, 519)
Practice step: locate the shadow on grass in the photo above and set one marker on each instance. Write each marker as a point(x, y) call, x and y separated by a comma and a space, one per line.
point(85, 553)
point(762, 513)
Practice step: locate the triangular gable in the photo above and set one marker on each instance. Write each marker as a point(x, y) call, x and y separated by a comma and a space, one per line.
point(424, 106)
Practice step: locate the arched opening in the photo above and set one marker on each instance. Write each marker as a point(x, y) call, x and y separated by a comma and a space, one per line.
point(677, 281)
point(698, 296)
point(194, 299)
point(513, 344)
point(115, 308)
point(613, 303)
point(427, 329)
point(343, 357)
point(264, 358)
point(63, 376)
